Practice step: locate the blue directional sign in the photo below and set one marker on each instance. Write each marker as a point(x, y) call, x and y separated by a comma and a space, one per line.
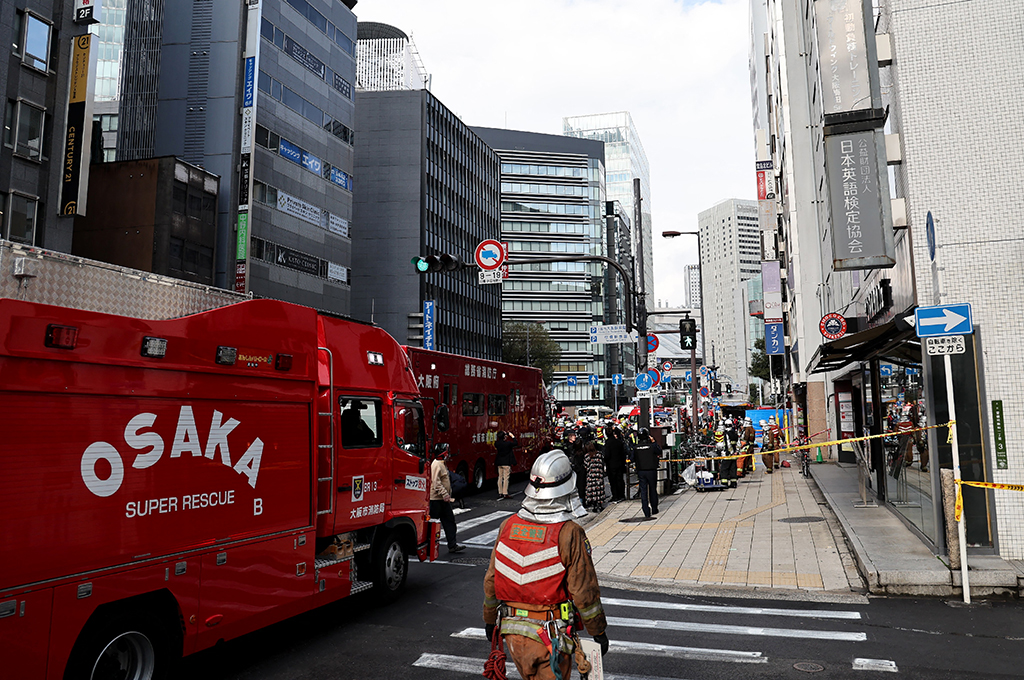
point(774, 339)
point(616, 378)
point(885, 370)
point(666, 377)
point(913, 371)
point(571, 380)
point(687, 376)
point(644, 381)
point(944, 320)
point(593, 380)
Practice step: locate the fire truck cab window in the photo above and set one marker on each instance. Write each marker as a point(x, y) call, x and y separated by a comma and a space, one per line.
point(472, 404)
point(497, 404)
point(409, 433)
point(360, 422)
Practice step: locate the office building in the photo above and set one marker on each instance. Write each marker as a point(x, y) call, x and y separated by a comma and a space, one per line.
point(553, 204)
point(625, 160)
point(692, 291)
point(262, 97)
point(109, 33)
point(387, 59)
point(730, 255)
point(428, 186)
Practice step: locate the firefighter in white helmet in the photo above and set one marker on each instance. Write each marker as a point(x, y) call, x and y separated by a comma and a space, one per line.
point(541, 586)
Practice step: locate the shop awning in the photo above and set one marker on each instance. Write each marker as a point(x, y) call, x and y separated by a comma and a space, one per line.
point(895, 342)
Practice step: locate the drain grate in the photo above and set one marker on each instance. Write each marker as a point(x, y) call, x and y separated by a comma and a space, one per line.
point(808, 667)
point(801, 520)
point(476, 561)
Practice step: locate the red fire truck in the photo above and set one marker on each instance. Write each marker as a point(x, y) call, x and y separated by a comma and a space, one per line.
point(470, 400)
point(169, 484)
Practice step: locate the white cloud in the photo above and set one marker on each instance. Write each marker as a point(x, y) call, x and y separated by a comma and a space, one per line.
point(679, 68)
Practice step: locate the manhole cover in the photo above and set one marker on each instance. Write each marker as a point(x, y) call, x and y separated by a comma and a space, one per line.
point(801, 520)
point(476, 561)
point(808, 667)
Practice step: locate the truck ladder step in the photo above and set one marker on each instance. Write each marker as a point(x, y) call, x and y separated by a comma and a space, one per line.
point(328, 560)
point(360, 586)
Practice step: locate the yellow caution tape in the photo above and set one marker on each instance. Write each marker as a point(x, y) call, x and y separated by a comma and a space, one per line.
point(984, 485)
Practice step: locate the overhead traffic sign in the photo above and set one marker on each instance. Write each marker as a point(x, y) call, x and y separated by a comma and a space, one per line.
point(666, 377)
point(571, 380)
point(609, 334)
point(643, 382)
point(885, 370)
point(593, 380)
point(490, 254)
point(652, 343)
point(616, 378)
point(944, 320)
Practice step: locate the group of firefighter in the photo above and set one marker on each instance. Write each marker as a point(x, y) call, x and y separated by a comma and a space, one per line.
point(733, 447)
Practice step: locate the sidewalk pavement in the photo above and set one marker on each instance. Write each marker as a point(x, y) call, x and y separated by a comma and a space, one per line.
point(781, 536)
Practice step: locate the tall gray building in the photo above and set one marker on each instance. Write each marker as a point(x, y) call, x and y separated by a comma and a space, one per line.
point(552, 202)
point(262, 95)
point(428, 186)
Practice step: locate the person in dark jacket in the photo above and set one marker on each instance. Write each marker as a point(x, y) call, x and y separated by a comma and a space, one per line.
point(615, 462)
point(647, 458)
point(504, 458)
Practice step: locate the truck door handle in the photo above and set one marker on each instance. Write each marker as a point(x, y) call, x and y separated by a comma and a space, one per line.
point(399, 482)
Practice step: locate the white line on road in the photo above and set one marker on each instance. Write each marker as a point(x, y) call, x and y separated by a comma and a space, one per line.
point(477, 521)
point(457, 564)
point(626, 647)
point(473, 666)
point(875, 665)
point(805, 613)
point(485, 540)
point(738, 630)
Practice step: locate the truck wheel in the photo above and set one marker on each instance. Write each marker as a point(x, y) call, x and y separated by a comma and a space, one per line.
point(390, 568)
point(479, 476)
point(121, 649)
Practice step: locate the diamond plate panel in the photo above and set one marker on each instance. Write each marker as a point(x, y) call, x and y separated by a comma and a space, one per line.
point(53, 278)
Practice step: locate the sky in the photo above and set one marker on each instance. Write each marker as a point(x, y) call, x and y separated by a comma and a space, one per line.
point(679, 67)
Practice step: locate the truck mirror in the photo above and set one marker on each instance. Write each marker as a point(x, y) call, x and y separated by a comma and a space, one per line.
point(441, 418)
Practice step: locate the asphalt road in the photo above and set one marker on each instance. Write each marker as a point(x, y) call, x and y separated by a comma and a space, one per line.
point(434, 632)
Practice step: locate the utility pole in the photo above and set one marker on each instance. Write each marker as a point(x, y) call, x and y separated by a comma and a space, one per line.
point(641, 363)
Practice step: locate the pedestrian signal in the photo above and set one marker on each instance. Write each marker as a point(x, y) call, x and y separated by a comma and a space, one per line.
point(688, 333)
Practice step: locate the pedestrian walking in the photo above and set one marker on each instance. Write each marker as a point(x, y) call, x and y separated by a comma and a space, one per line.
point(647, 458)
point(595, 477)
point(441, 497)
point(615, 463)
point(504, 458)
point(541, 589)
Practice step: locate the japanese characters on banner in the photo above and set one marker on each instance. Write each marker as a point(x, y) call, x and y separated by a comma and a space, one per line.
point(771, 284)
point(843, 52)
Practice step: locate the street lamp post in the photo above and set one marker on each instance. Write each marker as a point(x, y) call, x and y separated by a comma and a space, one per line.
point(703, 328)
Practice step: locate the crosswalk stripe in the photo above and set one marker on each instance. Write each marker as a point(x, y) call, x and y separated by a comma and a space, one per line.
point(875, 665)
point(487, 539)
point(477, 521)
point(737, 630)
point(725, 609)
point(474, 666)
point(627, 647)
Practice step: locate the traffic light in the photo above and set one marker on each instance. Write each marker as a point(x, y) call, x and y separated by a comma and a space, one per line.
point(688, 333)
point(436, 263)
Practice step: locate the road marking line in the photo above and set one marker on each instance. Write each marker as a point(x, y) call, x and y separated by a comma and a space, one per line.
point(875, 665)
point(474, 666)
point(626, 647)
point(485, 540)
point(738, 630)
point(477, 521)
point(726, 609)
point(457, 564)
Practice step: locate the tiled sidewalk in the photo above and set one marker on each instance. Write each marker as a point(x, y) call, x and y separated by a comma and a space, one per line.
point(734, 538)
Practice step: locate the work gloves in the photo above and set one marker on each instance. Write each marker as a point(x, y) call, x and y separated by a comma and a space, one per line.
point(602, 640)
point(489, 629)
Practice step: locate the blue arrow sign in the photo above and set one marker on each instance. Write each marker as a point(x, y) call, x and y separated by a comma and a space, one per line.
point(616, 378)
point(687, 376)
point(593, 380)
point(913, 371)
point(666, 377)
point(944, 320)
point(885, 370)
point(571, 380)
point(644, 381)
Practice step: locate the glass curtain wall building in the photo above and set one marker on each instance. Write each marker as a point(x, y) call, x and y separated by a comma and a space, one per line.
point(552, 203)
point(624, 159)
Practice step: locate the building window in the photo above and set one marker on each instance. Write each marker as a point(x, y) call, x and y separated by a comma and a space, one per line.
point(36, 42)
point(23, 129)
point(179, 197)
point(21, 221)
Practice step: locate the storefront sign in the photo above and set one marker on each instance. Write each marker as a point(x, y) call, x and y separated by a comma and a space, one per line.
point(290, 151)
point(428, 324)
point(999, 433)
point(293, 259)
point(337, 272)
point(832, 326)
point(843, 53)
point(302, 55)
point(878, 300)
point(249, 89)
point(771, 284)
point(74, 183)
point(242, 238)
point(861, 214)
point(245, 170)
point(296, 207)
point(774, 339)
point(337, 225)
point(88, 11)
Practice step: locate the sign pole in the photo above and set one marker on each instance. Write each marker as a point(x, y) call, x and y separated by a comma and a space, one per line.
point(960, 529)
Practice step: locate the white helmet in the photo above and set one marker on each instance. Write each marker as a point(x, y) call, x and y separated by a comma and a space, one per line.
point(551, 476)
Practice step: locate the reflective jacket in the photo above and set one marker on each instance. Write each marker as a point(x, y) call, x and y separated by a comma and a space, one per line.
point(527, 566)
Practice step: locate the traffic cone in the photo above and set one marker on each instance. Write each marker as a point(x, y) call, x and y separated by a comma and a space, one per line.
point(818, 459)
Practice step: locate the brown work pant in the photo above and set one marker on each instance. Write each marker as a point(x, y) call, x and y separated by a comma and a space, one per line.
point(770, 459)
point(746, 463)
point(534, 660)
